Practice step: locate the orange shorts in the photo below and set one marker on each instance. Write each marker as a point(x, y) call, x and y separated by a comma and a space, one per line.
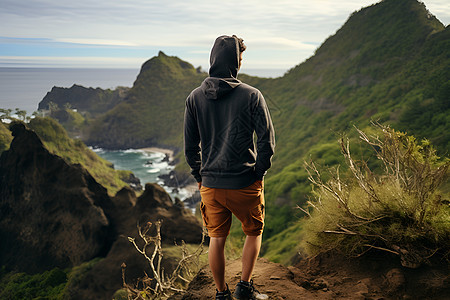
point(247, 204)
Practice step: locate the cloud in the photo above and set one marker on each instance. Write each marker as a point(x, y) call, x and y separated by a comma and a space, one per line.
point(75, 61)
point(276, 42)
point(98, 42)
point(188, 28)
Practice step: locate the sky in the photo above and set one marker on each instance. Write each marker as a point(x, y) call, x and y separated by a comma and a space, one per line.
point(124, 34)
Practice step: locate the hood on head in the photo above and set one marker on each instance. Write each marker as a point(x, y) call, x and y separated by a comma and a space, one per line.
point(224, 62)
point(224, 59)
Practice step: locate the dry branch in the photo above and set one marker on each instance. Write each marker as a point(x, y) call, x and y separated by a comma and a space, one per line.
point(160, 285)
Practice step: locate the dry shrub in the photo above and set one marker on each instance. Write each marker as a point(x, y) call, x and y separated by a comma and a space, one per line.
point(400, 211)
point(159, 285)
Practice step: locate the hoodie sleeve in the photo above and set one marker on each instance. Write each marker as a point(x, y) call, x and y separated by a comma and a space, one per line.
point(192, 141)
point(265, 137)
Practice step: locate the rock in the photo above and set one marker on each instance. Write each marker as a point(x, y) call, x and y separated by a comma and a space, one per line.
point(192, 201)
point(361, 290)
point(134, 182)
point(125, 198)
point(52, 214)
point(298, 277)
point(319, 283)
point(178, 224)
point(177, 179)
point(395, 280)
point(153, 196)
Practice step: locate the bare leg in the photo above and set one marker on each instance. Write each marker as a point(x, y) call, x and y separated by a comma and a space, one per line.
point(216, 257)
point(249, 255)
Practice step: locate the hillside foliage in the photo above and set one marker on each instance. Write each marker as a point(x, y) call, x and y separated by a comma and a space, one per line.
point(399, 210)
point(152, 113)
point(5, 137)
point(74, 151)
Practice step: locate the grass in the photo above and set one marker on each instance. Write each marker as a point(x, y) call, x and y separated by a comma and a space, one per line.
point(5, 137)
point(74, 151)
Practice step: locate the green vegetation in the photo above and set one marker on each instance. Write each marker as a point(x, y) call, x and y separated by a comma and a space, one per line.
point(72, 121)
point(77, 274)
point(283, 246)
point(54, 284)
point(152, 113)
point(400, 210)
point(384, 61)
point(48, 285)
point(5, 137)
point(74, 151)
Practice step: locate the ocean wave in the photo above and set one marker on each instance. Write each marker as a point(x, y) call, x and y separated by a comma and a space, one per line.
point(96, 149)
point(154, 155)
point(132, 151)
point(160, 165)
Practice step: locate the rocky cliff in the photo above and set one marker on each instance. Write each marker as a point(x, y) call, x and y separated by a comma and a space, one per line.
point(54, 214)
point(51, 213)
point(93, 101)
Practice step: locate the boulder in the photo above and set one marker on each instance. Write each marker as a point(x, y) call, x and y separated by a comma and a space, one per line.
point(154, 204)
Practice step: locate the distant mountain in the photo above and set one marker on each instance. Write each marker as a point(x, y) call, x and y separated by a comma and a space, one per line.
point(152, 113)
point(389, 62)
point(90, 100)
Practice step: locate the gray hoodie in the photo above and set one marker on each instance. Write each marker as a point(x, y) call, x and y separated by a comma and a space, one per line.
point(220, 118)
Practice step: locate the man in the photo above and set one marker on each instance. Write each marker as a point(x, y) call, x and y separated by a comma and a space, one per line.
point(221, 117)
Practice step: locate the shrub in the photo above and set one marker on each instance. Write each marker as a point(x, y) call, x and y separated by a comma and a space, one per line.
point(47, 285)
point(400, 210)
point(161, 285)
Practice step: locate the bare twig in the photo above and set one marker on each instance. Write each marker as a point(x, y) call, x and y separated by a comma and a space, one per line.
point(160, 285)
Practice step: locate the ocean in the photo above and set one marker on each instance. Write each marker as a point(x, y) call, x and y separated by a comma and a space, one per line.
point(145, 165)
point(24, 88)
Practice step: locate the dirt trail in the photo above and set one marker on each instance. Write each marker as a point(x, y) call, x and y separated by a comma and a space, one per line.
point(329, 278)
point(269, 278)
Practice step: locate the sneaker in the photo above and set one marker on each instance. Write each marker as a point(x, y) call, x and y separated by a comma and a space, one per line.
point(246, 291)
point(225, 295)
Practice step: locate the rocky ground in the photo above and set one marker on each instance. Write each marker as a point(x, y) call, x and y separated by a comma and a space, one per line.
point(332, 277)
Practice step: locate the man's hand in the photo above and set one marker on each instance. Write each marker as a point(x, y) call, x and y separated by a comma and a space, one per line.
point(199, 184)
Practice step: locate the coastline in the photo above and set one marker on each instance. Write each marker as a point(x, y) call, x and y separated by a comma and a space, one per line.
point(160, 150)
point(190, 190)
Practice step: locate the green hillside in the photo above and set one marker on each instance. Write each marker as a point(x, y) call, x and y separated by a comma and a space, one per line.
point(152, 113)
point(379, 65)
point(5, 137)
point(74, 151)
